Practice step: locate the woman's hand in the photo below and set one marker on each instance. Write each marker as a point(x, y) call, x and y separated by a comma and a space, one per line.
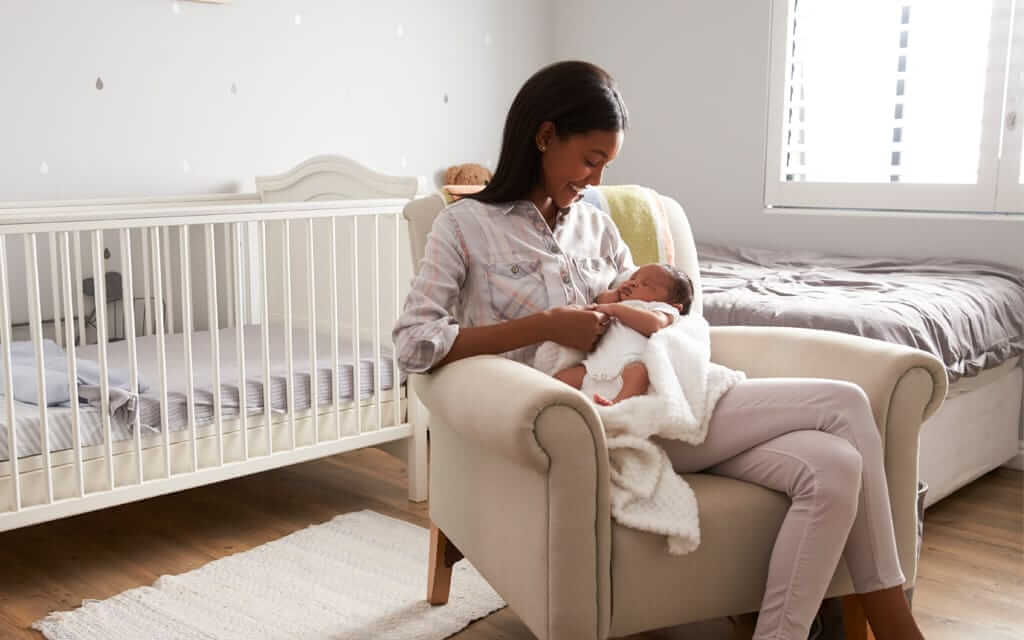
point(577, 327)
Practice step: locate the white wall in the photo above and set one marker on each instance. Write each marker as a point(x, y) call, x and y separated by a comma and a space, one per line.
point(342, 81)
point(694, 76)
point(203, 98)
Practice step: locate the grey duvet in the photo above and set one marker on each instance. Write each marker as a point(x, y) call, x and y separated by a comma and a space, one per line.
point(968, 314)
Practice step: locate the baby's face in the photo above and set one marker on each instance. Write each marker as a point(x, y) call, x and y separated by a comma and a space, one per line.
point(650, 283)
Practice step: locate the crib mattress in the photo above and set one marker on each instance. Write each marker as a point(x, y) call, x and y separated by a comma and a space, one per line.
point(27, 417)
point(968, 314)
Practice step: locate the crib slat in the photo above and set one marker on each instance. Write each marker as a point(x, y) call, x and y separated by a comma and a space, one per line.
point(377, 387)
point(100, 291)
point(161, 350)
point(214, 329)
point(83, 337)
point(147, 295)
point(265, 336)
point(128, 293)
point(36, 328)
point(314, 394)
point(356, 373)
point(395, 378)
point(243, 403)
point(335, 365)
point(229, 279)
point(289, 355)
point(56, 314)
point(72, 362)
point(245, 269)
point(165, 251)
point(186, 326)
point(8, 382)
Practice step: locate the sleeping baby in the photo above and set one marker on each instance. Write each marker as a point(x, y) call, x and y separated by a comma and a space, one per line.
point(653, 297)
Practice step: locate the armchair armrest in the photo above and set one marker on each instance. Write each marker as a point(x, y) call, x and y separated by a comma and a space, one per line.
point(875, 365)
point(904, 385)
point(519, 483)
point(495, 403)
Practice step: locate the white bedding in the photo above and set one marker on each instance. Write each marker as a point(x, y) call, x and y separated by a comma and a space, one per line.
point(27, 418)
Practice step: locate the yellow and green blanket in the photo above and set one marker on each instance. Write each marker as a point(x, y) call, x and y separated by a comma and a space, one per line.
point(638, 213)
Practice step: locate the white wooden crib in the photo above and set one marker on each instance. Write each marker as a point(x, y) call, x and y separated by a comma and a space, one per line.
point(310, 264)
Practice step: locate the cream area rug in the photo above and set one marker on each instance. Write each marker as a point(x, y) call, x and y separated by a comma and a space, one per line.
point(361, 575)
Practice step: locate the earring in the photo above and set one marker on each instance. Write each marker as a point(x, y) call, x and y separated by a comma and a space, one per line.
point(542, 148)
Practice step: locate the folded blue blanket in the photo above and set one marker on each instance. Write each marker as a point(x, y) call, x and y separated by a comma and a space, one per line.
point(55, 377)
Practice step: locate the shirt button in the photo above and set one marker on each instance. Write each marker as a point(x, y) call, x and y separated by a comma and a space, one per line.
point(565, 277)
point(515, 268)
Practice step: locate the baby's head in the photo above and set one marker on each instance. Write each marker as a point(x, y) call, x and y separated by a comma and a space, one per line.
point(654, 283)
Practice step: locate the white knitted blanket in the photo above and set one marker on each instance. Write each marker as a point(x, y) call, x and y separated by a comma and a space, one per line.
point(646, 493)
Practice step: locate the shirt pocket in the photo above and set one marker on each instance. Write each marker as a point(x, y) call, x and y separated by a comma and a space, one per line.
point(517, 288)
point(597, 274)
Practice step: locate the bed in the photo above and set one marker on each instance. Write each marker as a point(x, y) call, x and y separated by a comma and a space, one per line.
point(968, 314)
point(305, 275)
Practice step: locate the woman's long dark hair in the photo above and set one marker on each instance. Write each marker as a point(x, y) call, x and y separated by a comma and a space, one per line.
point(577, 97)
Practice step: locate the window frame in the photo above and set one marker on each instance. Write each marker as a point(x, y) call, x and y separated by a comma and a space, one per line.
point(997, 189)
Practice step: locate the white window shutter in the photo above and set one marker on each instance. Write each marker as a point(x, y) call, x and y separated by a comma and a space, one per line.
point(888, 104)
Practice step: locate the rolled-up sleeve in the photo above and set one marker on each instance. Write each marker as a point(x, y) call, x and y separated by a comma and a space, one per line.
point(426, 329)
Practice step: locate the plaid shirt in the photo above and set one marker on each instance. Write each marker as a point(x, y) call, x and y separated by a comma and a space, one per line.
point(489, 263)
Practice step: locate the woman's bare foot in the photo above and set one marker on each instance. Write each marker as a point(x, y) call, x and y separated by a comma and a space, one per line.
point(602, 401)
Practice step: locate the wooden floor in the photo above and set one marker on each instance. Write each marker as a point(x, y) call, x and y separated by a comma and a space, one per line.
point(971, 584)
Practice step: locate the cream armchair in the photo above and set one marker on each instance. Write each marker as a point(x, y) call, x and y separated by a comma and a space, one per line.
point(519, 480)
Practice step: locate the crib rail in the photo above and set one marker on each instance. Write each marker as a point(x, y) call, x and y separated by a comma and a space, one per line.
point(245, 273)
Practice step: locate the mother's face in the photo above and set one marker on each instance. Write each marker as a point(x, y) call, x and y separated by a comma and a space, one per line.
point(571, 164)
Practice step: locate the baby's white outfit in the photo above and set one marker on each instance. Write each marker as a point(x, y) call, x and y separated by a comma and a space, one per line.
point(619, 346)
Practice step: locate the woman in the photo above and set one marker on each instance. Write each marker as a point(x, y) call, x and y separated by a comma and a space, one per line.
point(512, 266)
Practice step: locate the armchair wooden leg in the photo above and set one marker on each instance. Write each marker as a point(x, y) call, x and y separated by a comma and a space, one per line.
point(855, 622)
point(443, 556)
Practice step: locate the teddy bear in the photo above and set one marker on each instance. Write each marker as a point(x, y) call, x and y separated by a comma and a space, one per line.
point(467, 174)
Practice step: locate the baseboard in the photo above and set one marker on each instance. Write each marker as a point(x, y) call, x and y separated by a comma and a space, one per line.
point(1017, 462)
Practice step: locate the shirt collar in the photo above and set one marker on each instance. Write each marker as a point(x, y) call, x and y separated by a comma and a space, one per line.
point(508, 207)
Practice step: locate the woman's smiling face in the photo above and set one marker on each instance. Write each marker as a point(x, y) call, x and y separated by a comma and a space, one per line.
point(570, 165)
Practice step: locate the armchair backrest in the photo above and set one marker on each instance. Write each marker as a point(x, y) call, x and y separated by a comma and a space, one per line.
point(420, 214)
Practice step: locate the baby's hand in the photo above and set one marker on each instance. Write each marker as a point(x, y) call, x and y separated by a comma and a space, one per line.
point(607, 296)
point(602, 401)
point(608, 309)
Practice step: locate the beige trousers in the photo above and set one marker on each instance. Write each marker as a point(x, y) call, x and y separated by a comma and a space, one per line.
point(817, 442)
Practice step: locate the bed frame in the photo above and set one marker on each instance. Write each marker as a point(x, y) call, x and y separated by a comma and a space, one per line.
point(975, 431)
point(315, 231)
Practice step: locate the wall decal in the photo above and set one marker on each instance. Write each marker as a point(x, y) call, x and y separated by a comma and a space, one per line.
point(99, 83)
